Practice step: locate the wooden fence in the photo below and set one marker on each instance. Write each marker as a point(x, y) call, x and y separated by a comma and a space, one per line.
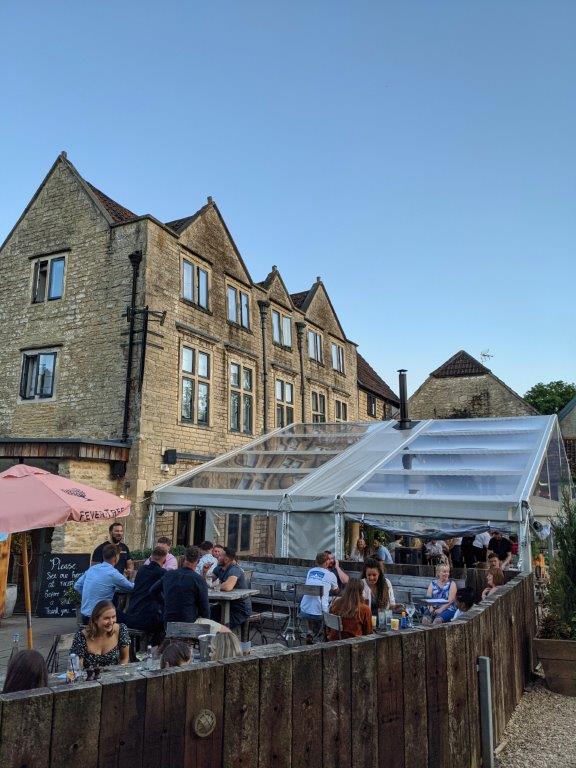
point(393, 701)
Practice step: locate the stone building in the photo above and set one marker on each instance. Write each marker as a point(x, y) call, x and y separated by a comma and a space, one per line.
point(463, 388)
point(134, 349)
point(567, 420)
point(376, 401)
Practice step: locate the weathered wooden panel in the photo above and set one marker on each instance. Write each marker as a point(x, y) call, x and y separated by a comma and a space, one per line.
point(132, 739)
point(364, 723)
point(154, 720)
point(26, 729)
point(75, 720)
point(307, 707)
point(337, 709)
point(241, 713)
point(390, 701)
point(437, 695)
point(275, 726)
point(415, 703)
point(111, 721)
point(458, 717)
point(204, 692)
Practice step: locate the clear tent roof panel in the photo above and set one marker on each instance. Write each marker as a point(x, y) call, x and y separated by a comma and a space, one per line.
point(364, 467)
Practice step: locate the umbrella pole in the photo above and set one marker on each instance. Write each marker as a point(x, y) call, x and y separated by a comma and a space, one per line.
point(27, 601)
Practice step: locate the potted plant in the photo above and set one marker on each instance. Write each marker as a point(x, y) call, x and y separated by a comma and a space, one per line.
point(555, 644)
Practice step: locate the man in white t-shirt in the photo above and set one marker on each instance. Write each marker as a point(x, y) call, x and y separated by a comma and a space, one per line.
point(480, 546)
point(312, 607)
point(207, 561)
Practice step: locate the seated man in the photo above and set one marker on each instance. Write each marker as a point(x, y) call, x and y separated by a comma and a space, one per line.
point(185, 592)
point(101, 582)
point(208, 561)
point(501, 547)
point(145, 609)
point(311, 607)
point(231, 576)
point(333, 565)
point(464, 601)
point(170, 563)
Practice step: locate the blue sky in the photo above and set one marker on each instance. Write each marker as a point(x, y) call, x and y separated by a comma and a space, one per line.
point(419, 156)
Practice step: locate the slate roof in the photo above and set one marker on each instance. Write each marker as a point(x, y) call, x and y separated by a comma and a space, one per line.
point(460, 364)
point(369, 379)
point(568, 408)
point(298, 299)
point(118, 213)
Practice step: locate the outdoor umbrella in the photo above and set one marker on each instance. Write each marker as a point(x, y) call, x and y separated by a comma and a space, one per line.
point(33, 498)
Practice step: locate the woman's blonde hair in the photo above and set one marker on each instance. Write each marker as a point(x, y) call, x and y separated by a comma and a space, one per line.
point(225, 645)
point(440, 567)
point(99, 609)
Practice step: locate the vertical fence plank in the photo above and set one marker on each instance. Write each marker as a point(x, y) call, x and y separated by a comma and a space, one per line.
point(337, 709)
point(241, 713)
point(307, 707)
point(364, 723)
point(275, 726)
point(111, 718)
point(132, 737)
point(474, 628)
point(204, 691)
point(175, 724)
point(390, 701)
point(437, 695)
point(154, 720)
point(75, 732)
point(25, 729)
point(457, 715)
point(415, 706)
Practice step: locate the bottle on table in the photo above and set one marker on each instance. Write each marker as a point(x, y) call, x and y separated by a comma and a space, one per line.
point(15, 646)
point(149, 658)
point(73, 671)
point(403, 621)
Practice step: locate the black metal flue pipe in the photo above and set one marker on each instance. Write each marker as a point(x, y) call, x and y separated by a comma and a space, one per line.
point(404, 422)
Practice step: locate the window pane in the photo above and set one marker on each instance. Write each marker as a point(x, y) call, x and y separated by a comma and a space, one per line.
point(338, 409)
point(232, 314)
point(289, 415)
point(203, 288)
point(245, 312)
point(280, 416)
point(311, 345)
point(187, 410)
point(203, 365)
point(289, 393)
point(276, 327)
point(40, 279)
point(245, 530)
point(233, 522)
point(187, 278)
point(344, 412)
point(187, 359)
point(56, 279)
point(287, 331)
point(247, 384)
point(234, 375)
point(29, 368)
point(247, 415)
point(235, 411)
point(334, 357)
point(203, 402)
point(322, 403)
point(314, 401)
point(279, 390)
point(45, 375)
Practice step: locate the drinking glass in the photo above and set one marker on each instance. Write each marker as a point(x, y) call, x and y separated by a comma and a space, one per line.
point(388, 619)
point(410, 610)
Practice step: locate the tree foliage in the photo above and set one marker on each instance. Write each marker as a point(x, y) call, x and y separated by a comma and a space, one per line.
point(561, 599)
point(550, 398)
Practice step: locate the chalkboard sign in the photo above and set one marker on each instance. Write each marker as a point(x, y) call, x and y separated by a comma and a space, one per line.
point(59, 572)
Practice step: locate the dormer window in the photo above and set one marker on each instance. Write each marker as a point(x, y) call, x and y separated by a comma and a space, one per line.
point(281, 329)
point(337, 358)
point(194, 284)
point(315, 346)
point(238, 310)
point(48, 278)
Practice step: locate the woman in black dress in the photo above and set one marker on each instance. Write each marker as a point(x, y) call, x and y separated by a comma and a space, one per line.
point(103, 642)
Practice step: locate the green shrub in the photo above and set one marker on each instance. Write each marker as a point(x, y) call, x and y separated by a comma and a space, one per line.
point(560, 621)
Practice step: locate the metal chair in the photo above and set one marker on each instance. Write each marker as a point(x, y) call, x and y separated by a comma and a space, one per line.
point(60, 644)
point(332, 621)
point(268, 619)
point(313, 628)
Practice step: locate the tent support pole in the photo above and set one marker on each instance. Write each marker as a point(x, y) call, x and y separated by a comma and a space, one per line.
point(27, 600)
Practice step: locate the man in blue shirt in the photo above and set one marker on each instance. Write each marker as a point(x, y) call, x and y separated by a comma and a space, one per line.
point(101, 581)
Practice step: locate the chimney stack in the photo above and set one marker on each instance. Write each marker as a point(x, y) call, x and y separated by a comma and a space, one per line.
point(404, 422)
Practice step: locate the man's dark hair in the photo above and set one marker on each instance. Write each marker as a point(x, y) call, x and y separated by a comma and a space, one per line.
point(230, 552)
point(158, 553)
point(26, 671)
point(206, 545)
point(113, 525)
point(466, 596)
point(321, 558)
point(109, 551)
point(192, 554)
point(164, 540)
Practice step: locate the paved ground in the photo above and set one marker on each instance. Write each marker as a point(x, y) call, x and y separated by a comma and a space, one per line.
point(43, 634)
point(542, 731)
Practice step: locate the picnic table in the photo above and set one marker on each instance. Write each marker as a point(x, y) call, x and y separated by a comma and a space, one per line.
point(225, 598)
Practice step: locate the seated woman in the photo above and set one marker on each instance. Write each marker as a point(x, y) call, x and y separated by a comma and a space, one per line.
point(359, 551)
point(26, 671)
point(225, 645)
point(378, 592)
point(103, 642)
point(175, 654)
point(494, 579)
point(442, 588)
point(355, 614)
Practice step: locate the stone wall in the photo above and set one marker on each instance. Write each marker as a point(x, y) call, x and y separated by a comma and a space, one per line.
point(466, 397)
point(383, 409)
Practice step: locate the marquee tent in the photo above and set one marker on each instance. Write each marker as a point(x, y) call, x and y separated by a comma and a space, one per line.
point(449, 475)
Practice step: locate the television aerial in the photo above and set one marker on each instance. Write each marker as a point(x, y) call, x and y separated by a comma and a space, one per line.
point(486, 355)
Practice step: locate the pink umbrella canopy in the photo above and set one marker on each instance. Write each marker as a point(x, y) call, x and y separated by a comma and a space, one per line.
point(33, 498)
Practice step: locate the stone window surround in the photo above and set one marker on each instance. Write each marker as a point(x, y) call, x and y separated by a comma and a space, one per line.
point(240, 291)
point(50, 258)
point(196, 266)
point(371, 405)
point(196, 379)
point(318, 412)
point(242, 392)
point(342, 407)
point(318, 346)
point(283, 403)
point(33, 351)
point(282, 318)
point(340, 357)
